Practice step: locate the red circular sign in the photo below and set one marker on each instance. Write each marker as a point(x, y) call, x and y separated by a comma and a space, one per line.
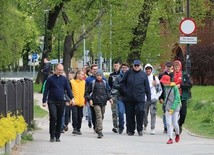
point(187, 26)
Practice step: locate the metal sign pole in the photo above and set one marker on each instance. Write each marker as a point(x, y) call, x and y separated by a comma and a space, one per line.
point(188, 61)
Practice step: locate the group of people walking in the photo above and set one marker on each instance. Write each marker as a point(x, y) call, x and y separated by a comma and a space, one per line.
point(132, 91)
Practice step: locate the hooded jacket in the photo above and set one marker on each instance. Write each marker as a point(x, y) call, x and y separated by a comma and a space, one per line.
point(154, 93)
point(183, 79)
point(178, 75)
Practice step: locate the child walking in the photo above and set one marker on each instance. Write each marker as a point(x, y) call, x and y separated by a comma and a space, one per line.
point(78, 90)
point(173, 104)
point(98, 94)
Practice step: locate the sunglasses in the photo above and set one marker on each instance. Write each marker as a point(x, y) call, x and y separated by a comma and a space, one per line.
point(136, 65)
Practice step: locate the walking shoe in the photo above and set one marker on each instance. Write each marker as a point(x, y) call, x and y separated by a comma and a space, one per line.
point(152, 132)
point(66, 128)
point(140, 133)
point(170, 141)
point(165, 130)
point(75, 132)
point(58, 140)
point(120, 131)
point(100, 135)
point(180, 129)
point(177, 138)
point(79, 132)
point(144, 130)
point(114, 130)
point(51, 139)
point(89, 124)
point(130, 133)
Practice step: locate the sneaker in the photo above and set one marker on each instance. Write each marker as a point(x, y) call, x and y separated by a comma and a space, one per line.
point(100, 135)
point(89, 124)
point(120, 131)
point(140, 133)
point(152, 132)
point(130, 133)
point(170, 141)
point(58, 140)
point(66, 128)
point(115, 130)
point(180, 129)
point(144, 130)
point(177, 138)
point(51, 139)
point(75, 132)
point(165, 130)
point(79, 132)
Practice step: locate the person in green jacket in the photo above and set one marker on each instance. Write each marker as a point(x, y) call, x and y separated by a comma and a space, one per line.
point(172, 106)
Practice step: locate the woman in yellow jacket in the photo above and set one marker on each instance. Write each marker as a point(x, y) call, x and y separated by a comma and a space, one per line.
point(78, 90)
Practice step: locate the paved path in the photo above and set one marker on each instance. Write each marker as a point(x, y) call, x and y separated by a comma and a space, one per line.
point(113, 144)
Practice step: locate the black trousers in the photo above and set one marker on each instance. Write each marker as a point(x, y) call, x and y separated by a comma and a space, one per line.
point(183, 112)
point(93, 117)
point(56, 109)
point(134, 115)
point(77, 115)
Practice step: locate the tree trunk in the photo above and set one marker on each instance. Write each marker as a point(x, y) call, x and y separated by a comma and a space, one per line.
point(52, 16)
point(140, 31)
point(68, 52)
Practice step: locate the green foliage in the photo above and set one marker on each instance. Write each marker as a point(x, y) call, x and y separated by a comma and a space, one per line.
point(37, 87)
point(17, 29)
point(26, 137)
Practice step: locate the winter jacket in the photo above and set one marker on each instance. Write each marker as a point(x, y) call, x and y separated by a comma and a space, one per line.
point(78, 90)
point(135, 85)
point(98, 92)
point(117, 86)
point(183, 79)
point(172, 98)
point(111, 80)
point(156, 91)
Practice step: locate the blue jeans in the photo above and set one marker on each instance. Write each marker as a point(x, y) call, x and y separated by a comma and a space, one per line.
point(121, 112)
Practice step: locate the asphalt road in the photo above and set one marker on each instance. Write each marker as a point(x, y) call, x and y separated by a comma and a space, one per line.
point(111, 143)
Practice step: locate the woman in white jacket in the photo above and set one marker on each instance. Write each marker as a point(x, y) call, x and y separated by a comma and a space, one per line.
point(156, 91)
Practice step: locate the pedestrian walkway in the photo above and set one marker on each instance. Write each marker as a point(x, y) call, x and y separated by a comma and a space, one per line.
point(111, 143)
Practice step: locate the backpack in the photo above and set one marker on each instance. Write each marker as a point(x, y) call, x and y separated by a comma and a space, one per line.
point(93, 84)
point(158, 86)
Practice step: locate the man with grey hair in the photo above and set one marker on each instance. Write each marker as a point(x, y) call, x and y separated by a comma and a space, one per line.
point(135, 85)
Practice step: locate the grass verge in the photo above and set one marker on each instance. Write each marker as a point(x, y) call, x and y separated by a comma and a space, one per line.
point(39, 112)
point(37, 87)
point(200, 111)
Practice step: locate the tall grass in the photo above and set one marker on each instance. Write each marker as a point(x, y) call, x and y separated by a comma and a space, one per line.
point(200, 114)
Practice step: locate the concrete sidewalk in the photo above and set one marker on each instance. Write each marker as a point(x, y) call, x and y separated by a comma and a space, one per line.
point(111, 143)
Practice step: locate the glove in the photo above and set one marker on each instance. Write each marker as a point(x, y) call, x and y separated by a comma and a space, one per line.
point(171, 111)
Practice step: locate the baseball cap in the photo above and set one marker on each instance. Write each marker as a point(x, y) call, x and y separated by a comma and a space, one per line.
point(168, 64)
point(136, 62)
point(165, 79)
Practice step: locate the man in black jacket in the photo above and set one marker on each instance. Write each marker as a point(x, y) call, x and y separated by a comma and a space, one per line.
point(55, 89)
point(135, 85)
point(114, 92)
